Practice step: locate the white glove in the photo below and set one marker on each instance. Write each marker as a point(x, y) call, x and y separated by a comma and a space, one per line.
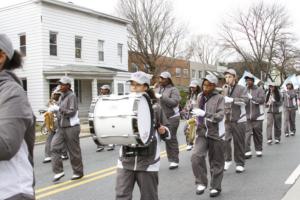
point(53, 108)
point(249, 95)
point(228, 99)
point(157, 95)
point(198, 112)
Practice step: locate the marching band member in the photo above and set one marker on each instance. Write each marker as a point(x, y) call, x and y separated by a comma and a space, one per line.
point(255, 117)
point(290, 107)
point(104, 90)
point(274, 112)
point(190, 127)
point(141, 164)
point(169, 102)
point(51, 125)
point(235, 120)
point(17, 129)
point(67, 133)
point(210, 137)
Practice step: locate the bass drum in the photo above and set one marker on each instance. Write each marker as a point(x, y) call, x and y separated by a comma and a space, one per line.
point(124, 120)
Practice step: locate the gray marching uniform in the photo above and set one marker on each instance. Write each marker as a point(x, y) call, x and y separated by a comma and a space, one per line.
point(255, 117)
point(210, 139)
point(170, 104)
point(141, 164)
point(67, 134)
point(290, 107)
point(274, 115)
point(235, 124)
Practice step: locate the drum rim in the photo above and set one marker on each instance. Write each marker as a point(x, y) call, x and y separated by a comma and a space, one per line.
point(148, 99)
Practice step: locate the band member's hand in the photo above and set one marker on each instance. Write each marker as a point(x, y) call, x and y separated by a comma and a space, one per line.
point(249, 95)
point(228, 99)
point(161, 130)
point(198, 112)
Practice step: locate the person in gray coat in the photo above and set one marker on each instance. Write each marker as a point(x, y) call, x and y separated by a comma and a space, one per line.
point(17, 129)
point(290, 106)
point(236, 99)
point(169, 102)
point(255, 117)
point(274, 113)
point(67, 133)
point(141, 163)
point(210, 137)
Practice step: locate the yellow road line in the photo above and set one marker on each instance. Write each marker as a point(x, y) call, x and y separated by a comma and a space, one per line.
point(71, 184)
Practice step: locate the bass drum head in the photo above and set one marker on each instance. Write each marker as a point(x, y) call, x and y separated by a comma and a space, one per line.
point(145, 119)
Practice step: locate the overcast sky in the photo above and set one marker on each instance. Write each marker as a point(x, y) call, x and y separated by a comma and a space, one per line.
point(201, 16)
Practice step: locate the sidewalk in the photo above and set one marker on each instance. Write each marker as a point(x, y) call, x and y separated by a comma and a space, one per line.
point(84, 132)
point(294, 192)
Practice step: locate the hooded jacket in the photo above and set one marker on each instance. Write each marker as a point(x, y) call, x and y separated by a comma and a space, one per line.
point(17, 133)
point(214, 120)
point(290, 100)
point(255, 107)
point(150, 158)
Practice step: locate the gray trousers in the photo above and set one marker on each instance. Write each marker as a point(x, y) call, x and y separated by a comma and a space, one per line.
point(274, 119)
point(215, 149)
point(236, 132)
point(147, 182)
point(254, 128)
point(172, 147)
point(69, 137)
point(289, 121)
point(48, 146)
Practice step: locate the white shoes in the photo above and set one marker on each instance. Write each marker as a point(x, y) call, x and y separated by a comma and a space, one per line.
point(292, 133)
point(200, 189)
point(47, 160)
point(269, 142)
point(277, 141)
point(227, 165)
point(58, 176)
point(239, 169)
point(248, 154)
point(214, 193)
point(189, 147)
point(173, 165)
point(259, 153)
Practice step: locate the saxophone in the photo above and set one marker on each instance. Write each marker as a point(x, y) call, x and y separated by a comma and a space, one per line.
point(190, 131)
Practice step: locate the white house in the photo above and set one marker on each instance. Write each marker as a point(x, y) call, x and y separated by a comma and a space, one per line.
point(59, 39)
point(199, 71)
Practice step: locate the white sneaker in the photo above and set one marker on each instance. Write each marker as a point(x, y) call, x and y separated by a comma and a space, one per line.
point(189, 147)
point(259, 153)
point(292, 133)
point(277, 141)
point(214, 193)
point(47, 160)
point(173, 165)
point(200, 189)
point(227, 165)
point(58, 176)
point(248, 154)
point(239, 169)
point(269, 142)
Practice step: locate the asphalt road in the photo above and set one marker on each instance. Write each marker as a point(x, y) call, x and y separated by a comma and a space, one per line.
point(264, 178)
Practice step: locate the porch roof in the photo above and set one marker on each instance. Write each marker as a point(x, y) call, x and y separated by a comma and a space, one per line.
point(80, 71)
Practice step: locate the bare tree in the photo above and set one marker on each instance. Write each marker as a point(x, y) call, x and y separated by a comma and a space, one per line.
point(204, 49)
point(154, 32)
point(254, 35)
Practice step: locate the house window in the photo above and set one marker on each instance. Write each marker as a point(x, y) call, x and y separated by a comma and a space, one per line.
point(178, 72)
point(200, 74)
point(120, 89)
point(78, 41)
point(134, 67)
point(23, 44)
point(120, 52)
point(53, 43)
point(100, 50)
point(185, 73)
point(193, 73)
point(77, 88)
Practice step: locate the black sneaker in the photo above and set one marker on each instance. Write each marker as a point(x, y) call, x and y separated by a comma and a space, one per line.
point(99, 148)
